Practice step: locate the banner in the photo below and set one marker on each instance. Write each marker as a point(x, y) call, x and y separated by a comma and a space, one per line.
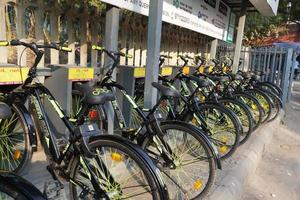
point(209, 17)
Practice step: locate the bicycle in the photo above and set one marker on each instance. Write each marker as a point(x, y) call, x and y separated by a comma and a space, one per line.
point(96, 166)
point(161, 140)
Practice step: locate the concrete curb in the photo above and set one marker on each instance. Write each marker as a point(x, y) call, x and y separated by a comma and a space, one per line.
point(232, 185)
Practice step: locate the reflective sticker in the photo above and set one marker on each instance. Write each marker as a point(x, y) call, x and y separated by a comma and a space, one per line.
point(56, 108)
point(17, 154)
point(198, 184)
point(116, 157)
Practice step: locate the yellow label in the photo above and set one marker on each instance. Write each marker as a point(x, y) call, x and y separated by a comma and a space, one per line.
point(186, 70)
point(139, 72)
point(81, 74)
point(166, 71)
point(12, 75)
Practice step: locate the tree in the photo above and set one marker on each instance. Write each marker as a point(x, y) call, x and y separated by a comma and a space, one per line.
point(258, 26)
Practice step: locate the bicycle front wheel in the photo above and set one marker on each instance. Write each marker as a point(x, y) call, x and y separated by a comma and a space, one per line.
point(121, 171)
point(223, 127)
point(192, 169)
point(243, 112)
point(15, 149)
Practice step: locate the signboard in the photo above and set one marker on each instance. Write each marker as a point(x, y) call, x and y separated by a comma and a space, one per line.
point(209, 17)
point(12, 75)
point(266, 7)
point(80, 74)
point(231, 27)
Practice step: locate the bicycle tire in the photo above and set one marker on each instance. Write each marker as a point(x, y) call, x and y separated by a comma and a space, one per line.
point(243, 112)
point(134, 152)
point(277, 105)
point(265, 101)
point(188, 133)
point(23, 155)
point(253, 104)
point(229, 115)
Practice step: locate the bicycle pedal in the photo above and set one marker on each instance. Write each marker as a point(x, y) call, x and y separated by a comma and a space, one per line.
point(54, 190)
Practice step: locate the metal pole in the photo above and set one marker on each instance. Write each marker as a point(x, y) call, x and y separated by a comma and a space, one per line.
point(286, 75)
point(3, 50)
point(239, 38)
point(154, 37)
point(213, 48)
point(111, 43)
point(292, 76)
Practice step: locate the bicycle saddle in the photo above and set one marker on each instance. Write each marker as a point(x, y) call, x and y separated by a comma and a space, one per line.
point(246, 75)
point(5, 111)
point(91, 96)
point(237, 77)
point(200, 82)
point(218, 78)
point(166, 91)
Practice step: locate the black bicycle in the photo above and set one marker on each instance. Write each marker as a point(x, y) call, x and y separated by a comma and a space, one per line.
point(96, 166)
point(183, 153)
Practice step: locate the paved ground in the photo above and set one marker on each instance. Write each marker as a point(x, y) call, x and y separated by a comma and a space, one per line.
point(278, 174)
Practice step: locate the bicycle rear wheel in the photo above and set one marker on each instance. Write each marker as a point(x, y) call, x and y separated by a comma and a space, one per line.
point(122, 170)
point(194, 169)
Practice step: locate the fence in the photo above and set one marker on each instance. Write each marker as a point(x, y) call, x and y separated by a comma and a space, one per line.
point(80, 26)
point(276, 62)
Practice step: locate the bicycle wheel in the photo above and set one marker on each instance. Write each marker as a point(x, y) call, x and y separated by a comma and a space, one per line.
point(16, 187)
point(264, 101)
point(7, 193)
point(243, 112)
point(276, 87)
point(223, 126)
point(194, 169)
point(121, 171)
point(15, 149)
point(276, 105)
point(268, 87)
point(254, 105)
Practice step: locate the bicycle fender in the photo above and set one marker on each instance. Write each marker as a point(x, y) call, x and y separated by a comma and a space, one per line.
point(203, 136)
point(29, 125)
point(21, 186)
point(147, 160)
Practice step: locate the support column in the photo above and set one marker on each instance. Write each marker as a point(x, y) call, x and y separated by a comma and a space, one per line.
point(294, 64)
point(111, 43)
point(83, 41)
point(286, 76)
point(71, 40)
point(94, 34)
point(20, 13)
point(54, 36)
point(39, 27)
point(3, 50)
point(153, 45)
point(239, 38)
point(213, 48)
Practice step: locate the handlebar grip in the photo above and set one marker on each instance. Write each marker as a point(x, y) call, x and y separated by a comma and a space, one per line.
point(4, 43)
point(165, 56)
point(128, 56)
point(98, 48)
point(67, 49)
